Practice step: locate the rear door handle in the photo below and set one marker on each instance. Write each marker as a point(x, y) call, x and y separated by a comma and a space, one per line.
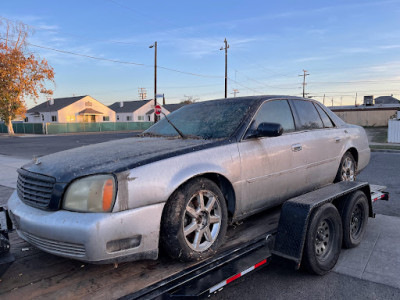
point(337, 139)
point(296, 147)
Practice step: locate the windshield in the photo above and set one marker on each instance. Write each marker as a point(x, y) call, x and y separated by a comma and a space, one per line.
point(208, 120)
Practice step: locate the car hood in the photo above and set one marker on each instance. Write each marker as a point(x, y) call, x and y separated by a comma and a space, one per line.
point(114, 156)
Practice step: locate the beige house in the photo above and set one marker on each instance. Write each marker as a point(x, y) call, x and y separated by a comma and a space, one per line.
point(70, 110)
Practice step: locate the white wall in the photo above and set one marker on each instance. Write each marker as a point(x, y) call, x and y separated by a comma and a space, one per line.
point(394, 131)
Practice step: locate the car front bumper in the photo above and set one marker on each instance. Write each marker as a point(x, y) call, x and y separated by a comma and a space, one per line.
point(91, 237)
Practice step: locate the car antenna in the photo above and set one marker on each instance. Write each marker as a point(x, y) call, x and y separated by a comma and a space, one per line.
point(177, 130)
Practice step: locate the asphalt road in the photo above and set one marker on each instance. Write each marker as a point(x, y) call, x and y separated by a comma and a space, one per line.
point(277, 280)
point(25, 147)
point(384, 169)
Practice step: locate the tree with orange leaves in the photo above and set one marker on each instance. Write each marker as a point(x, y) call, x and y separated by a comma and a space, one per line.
point(21, 73)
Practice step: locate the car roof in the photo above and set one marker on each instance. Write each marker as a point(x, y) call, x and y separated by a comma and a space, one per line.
point(252, 99)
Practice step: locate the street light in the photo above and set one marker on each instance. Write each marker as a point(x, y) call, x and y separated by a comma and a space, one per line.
point(155, 78)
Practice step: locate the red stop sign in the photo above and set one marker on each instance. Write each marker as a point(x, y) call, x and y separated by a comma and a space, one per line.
point(157, 109)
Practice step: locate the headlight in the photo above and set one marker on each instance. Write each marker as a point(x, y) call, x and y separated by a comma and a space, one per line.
point(91, 194)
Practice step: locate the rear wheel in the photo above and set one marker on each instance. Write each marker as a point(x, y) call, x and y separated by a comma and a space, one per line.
point(194, 221)
point(354, 212)
point(323, 240)
point(347, 168)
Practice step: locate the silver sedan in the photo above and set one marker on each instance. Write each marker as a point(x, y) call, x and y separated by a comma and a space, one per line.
point(184, 180)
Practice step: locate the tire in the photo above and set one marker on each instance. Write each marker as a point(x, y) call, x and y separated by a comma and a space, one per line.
point(347, 168)
point(194, 221)
point(323, 241)
point(354, 212)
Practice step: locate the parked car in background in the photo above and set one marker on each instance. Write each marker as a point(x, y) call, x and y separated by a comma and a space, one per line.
point(180, 185)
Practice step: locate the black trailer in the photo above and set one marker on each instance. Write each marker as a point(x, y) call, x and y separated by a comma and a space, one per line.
point(309, 230)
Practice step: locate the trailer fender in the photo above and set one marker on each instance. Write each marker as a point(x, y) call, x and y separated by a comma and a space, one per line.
point(296, 212)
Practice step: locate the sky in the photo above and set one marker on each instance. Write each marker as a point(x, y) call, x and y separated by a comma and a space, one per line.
point(101, 48)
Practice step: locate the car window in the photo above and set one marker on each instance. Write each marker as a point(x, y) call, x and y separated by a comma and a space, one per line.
point(276, 111)
point(325, 118)
point(208, 120)
point(308, 115)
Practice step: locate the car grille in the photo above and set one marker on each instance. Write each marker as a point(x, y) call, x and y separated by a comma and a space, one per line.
point(35, 189)
point(55, 247)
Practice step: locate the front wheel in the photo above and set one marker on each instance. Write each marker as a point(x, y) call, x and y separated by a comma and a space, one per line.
point(324, 240)
point(194, 221)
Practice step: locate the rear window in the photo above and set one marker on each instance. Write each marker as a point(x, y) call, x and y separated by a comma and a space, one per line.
point(308, 117)
point(325, 118)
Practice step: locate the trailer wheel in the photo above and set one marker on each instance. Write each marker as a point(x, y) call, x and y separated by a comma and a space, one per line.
point(194, 221)
point(323, 240)
point(347, 168)
point(354, 212)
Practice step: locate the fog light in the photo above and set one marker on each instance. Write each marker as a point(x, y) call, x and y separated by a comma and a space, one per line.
point(124, 244)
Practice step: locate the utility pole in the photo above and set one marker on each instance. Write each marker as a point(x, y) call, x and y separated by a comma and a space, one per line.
point(235, 91)
point(163, 99)
point(355, 101)
point(142, 93)
point(226, 66)
point(332, 102)
point(323, 100)
point(155, 79)
point(304, 81)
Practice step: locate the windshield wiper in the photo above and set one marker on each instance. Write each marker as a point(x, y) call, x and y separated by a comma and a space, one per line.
point(176, 129)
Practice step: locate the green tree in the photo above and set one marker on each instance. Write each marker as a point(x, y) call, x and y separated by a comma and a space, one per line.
point(22, 75)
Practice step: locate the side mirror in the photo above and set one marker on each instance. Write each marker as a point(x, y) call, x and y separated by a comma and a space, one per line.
point(267, 130)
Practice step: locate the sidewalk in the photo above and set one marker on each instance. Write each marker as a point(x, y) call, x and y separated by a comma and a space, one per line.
point(8, 170)
point(377, 258)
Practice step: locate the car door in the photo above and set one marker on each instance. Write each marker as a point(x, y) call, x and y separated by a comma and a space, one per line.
point(272, 168)
point(321, 142)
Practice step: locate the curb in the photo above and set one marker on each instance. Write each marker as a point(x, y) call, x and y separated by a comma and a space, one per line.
point(385, 150)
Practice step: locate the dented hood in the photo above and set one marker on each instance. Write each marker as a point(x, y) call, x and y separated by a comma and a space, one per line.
point(114, 156)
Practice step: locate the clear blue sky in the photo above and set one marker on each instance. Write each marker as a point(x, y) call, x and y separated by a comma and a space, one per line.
point(346, 47)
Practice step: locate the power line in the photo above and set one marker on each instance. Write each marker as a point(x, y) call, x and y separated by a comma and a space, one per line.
point(119, 61)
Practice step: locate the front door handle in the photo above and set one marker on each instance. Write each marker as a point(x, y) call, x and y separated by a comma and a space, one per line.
point(296, 147)
point(337, 139)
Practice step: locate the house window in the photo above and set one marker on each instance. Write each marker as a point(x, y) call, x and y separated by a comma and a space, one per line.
point(26, 119)
point(106, 118)
point(140, 118)
point(54, 118)
point(42, 117)
point(117, 118)
point(128, 118)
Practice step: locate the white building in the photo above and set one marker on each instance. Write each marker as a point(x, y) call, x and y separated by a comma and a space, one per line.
point(135, 111)
point(70, 110)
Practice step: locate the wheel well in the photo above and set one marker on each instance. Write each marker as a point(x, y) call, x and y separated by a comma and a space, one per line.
point(225, 186)
point(354, 152)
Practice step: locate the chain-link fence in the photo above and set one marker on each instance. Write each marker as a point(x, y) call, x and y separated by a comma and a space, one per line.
point(33, 128)
point(56, 128)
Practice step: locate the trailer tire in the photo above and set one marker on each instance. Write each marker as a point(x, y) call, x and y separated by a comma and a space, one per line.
point(324, 240)
point(347, 168)
point(194, 221)
point(354, 212)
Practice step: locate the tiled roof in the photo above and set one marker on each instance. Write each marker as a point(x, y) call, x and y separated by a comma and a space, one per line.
point(128, 106)
point(173, 107)
point(59, 103)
